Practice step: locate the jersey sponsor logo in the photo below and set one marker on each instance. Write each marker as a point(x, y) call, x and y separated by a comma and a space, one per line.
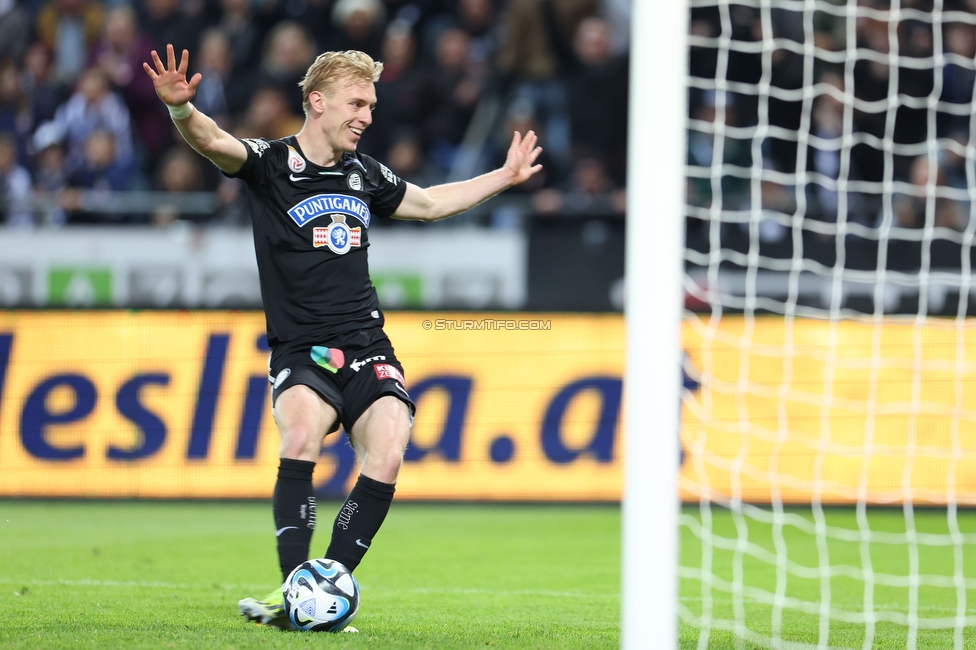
point(386, 371)
point(355, 181)
point(388, 175)
point(258, 146)
point(295, 161)
point(339, 237)
point(357, 364)
point(329, 358)
point(323, 204)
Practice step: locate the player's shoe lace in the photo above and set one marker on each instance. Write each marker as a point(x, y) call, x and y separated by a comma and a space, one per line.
point(269, 610)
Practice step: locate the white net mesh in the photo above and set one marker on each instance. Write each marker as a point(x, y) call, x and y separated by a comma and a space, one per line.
point(829, 417)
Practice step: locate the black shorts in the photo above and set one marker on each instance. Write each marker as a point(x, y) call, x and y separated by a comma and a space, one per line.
point(350, 372)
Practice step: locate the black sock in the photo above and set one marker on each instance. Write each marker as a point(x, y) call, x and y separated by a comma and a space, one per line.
point(358, 520)
point(294, 512)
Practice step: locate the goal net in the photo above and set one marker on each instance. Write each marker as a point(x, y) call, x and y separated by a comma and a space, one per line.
point(829, 411)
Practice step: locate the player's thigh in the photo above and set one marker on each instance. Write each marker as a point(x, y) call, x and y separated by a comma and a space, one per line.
point(380, 437)
point(304, 419)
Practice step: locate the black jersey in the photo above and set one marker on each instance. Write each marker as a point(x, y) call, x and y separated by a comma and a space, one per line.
point(311, 228)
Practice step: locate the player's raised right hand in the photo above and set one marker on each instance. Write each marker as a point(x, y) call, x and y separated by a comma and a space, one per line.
point(170, 81)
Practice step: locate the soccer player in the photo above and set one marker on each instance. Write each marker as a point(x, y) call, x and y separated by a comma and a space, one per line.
point(312, 199)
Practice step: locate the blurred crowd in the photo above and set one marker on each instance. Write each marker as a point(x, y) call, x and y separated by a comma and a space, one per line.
point(78, 113)
point(841, 130)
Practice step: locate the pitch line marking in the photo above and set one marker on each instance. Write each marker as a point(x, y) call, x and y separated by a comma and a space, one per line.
point(418, 590)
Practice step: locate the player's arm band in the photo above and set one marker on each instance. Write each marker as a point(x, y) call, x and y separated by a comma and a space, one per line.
point(180, 112)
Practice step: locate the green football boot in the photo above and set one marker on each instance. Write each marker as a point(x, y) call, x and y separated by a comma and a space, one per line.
point(269, 610)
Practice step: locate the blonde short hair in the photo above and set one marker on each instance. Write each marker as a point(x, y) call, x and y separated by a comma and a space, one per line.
point(329, 68)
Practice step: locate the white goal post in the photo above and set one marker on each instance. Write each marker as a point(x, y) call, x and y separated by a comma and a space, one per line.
point(655, 235)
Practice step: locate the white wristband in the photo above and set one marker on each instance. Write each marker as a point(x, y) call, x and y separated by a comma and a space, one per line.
point(180, 112)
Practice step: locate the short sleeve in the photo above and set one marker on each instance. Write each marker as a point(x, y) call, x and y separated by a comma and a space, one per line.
point(261, 156)
point(386, 188)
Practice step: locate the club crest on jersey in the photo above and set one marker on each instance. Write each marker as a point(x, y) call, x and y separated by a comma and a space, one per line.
point(295, 161)
point(339, 237)
point(323, 204)
point(355, 181)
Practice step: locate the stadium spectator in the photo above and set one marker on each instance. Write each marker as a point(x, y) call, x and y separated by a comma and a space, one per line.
point(288, 52)
point(702, 153)
point(119, 54)
point(588, 186)
point(91, 108)
point(596, 89)
point(218, 82)
point(15, 30)
point(244, 33)
point(36, 80)
point(527, 65)
point(871, 79)
point(315, 15)
point(958, 78)
point(69, 28)
point(403, 93)
point(828, 127)
point(50, 158)
point(954, 162)
point(101, 170)
point(406, 158)
point(357, 25)
point(442, 58)
point(15, 114)
point(417, 14)
point(164, 21)
point(521, 117)
point(50, 172)
point(455, 91)
point(911, 208)
point(179, 171)
point(15, 186)
point(268, 115)
point(915, 42)
point(478, 19)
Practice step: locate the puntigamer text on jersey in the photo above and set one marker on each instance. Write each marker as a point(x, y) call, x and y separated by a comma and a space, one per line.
point(322, 204)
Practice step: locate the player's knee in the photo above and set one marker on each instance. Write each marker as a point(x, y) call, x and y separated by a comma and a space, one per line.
point(301, 442)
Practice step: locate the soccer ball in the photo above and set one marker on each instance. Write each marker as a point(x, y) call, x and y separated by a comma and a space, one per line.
point(321, 596)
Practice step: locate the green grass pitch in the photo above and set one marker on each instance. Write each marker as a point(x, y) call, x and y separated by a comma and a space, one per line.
point(758, 575)
point(78, 574)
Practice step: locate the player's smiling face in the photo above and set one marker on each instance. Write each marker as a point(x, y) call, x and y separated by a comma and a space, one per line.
point(348, 112)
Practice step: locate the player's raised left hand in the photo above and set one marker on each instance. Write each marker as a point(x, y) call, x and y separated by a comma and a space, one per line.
point(522, 155)
point(170, 81)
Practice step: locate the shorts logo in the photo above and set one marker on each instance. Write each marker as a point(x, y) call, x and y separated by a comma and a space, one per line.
point(339, 237)
point(329, 358)
point(357, 364)
point(280, 379)
point(295, 162)
point(386, 371)
point(355, 181)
